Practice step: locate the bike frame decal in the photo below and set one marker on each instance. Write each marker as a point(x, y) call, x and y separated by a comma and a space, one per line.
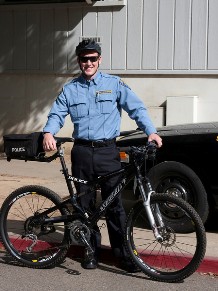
point(74, 179)
point(112, 195)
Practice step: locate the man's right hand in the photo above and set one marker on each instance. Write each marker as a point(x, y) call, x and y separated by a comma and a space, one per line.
point(49, 143)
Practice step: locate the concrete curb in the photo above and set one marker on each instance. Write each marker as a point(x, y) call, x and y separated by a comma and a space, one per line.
point(208, 265)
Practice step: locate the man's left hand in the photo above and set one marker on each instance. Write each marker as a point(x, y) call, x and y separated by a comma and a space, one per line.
point(156, 138)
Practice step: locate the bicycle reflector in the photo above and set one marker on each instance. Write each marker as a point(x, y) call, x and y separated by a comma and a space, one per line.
point(124, 157)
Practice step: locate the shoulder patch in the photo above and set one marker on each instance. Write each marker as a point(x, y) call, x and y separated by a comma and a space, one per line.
point(123, 84)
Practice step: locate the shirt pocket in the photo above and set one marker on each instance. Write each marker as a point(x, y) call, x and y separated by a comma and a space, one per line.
point(106, 103)
point(79, 107)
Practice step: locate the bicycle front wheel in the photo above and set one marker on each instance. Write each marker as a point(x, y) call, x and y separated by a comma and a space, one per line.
point(178, 254)
point(26, 238)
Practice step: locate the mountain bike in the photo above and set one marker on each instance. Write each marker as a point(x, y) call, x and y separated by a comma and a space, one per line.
point(38, 226)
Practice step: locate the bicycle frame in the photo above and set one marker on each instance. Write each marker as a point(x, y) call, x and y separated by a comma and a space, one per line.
point(127, 172)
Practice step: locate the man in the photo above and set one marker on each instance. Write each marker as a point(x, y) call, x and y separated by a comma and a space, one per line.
point(94, 101)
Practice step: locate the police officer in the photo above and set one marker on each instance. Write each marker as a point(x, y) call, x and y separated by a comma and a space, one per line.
point(94, 101)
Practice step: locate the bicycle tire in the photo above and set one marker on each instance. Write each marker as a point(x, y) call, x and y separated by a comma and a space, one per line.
point(29, 243)
point(180, 253)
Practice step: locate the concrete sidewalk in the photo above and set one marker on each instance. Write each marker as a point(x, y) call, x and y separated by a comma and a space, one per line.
point(19, 173)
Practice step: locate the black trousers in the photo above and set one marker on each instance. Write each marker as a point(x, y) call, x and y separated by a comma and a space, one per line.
point(89, 163)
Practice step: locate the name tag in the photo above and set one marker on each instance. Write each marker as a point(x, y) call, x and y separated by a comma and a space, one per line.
point(103, 92)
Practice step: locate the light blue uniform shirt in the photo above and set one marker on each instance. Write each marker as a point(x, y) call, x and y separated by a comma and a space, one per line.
point(95, 108)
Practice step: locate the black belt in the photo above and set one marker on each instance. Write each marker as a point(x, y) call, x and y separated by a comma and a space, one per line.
point(94, 143)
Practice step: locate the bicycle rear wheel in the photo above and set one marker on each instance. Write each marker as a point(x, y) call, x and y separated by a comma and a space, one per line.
point(26, 238)
point(179, 254)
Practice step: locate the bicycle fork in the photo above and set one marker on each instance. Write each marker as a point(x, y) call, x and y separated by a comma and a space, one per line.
point(146, 202)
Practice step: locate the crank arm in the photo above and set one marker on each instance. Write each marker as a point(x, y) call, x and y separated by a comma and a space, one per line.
point(86, 243)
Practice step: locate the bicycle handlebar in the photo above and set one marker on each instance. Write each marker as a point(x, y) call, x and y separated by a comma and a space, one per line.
point(61, 140)
point(149, 149)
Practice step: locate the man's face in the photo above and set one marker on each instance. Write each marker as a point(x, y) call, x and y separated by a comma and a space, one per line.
point(89, 63)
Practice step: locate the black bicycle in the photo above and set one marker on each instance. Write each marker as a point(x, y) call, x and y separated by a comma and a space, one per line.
point(38, 226)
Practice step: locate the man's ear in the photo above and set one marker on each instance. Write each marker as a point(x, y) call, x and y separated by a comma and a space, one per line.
point(100, 59)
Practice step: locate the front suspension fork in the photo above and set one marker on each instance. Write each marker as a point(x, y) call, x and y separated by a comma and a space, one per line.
point(146, 202)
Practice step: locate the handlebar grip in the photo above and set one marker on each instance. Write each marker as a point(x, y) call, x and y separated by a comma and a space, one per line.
point(152, 143)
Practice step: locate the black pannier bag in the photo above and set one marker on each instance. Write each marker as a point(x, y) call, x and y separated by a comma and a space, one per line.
point(23, 146)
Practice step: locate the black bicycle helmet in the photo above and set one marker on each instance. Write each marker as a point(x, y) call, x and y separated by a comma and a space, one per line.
point(88, 45)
